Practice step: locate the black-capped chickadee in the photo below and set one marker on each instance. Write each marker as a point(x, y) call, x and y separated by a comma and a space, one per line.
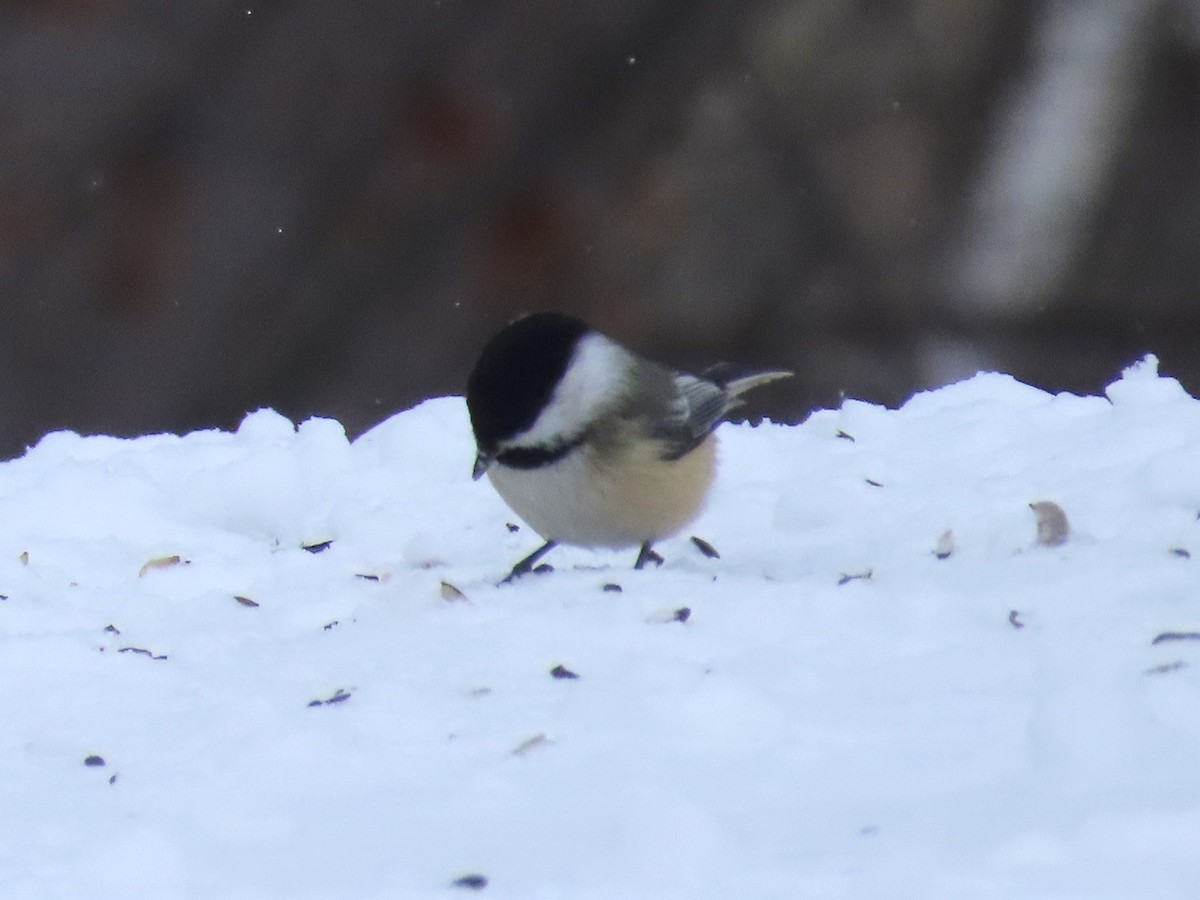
point(590, 444)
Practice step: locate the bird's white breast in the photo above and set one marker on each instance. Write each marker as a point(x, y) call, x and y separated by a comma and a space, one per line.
point(612, 500)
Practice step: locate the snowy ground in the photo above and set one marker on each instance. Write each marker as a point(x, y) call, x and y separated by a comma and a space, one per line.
point(996, 724)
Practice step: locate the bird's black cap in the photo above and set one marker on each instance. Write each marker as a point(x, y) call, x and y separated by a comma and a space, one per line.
point(517, 373)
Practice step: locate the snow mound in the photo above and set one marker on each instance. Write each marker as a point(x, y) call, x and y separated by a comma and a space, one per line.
point(274, 664)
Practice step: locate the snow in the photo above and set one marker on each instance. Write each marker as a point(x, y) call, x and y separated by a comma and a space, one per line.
point(843, 714)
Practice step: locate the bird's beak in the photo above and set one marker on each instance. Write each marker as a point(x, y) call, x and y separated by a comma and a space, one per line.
point(482, 463)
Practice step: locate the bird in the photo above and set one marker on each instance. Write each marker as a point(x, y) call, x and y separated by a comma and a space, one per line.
point(591, 444)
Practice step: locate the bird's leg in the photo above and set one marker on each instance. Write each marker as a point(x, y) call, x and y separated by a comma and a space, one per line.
point(525, 566)
point(647, 555)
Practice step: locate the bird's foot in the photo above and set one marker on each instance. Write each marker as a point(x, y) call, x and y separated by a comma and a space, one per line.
point(647, 555)
point(528, 564)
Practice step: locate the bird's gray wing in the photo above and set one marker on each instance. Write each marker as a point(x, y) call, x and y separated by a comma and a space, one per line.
point(695, 409)
point(699, 403)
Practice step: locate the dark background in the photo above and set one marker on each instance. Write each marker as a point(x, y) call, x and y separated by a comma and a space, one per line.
point(326, 207)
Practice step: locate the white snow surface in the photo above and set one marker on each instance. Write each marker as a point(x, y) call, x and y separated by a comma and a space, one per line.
point(995, 724)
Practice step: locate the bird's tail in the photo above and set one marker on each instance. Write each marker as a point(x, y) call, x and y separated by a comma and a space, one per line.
point(736, 382)
point(735, 387)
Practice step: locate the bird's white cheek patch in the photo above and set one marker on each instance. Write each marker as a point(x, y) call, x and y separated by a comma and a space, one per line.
point(591, 381)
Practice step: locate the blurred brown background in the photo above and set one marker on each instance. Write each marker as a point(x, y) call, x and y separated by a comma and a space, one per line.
point(326, 207)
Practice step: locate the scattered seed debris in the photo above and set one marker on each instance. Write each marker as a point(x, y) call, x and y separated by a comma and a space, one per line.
point(24, 557)
point(473, 882)
point(94, 761)
point(1176, 636)
point(858, 576)
point(664, 616)
point(873, 483)
point(452, 594)
point(159, 562)
point(142, 651)
point(612, 588)
point(113, 778)
point(945, 545)
point(512, 527)
point(530, 744)
point(111, 629)
point(365, 577)
point(329, 626)
point(339, 696)
point(1014, 620)
point(1053, 529)
point(1181, 552)
point(319, 547)
point(560, 671)
point(245, 601)
point(705, 547)
point(1166, 667)
point(842, 435)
